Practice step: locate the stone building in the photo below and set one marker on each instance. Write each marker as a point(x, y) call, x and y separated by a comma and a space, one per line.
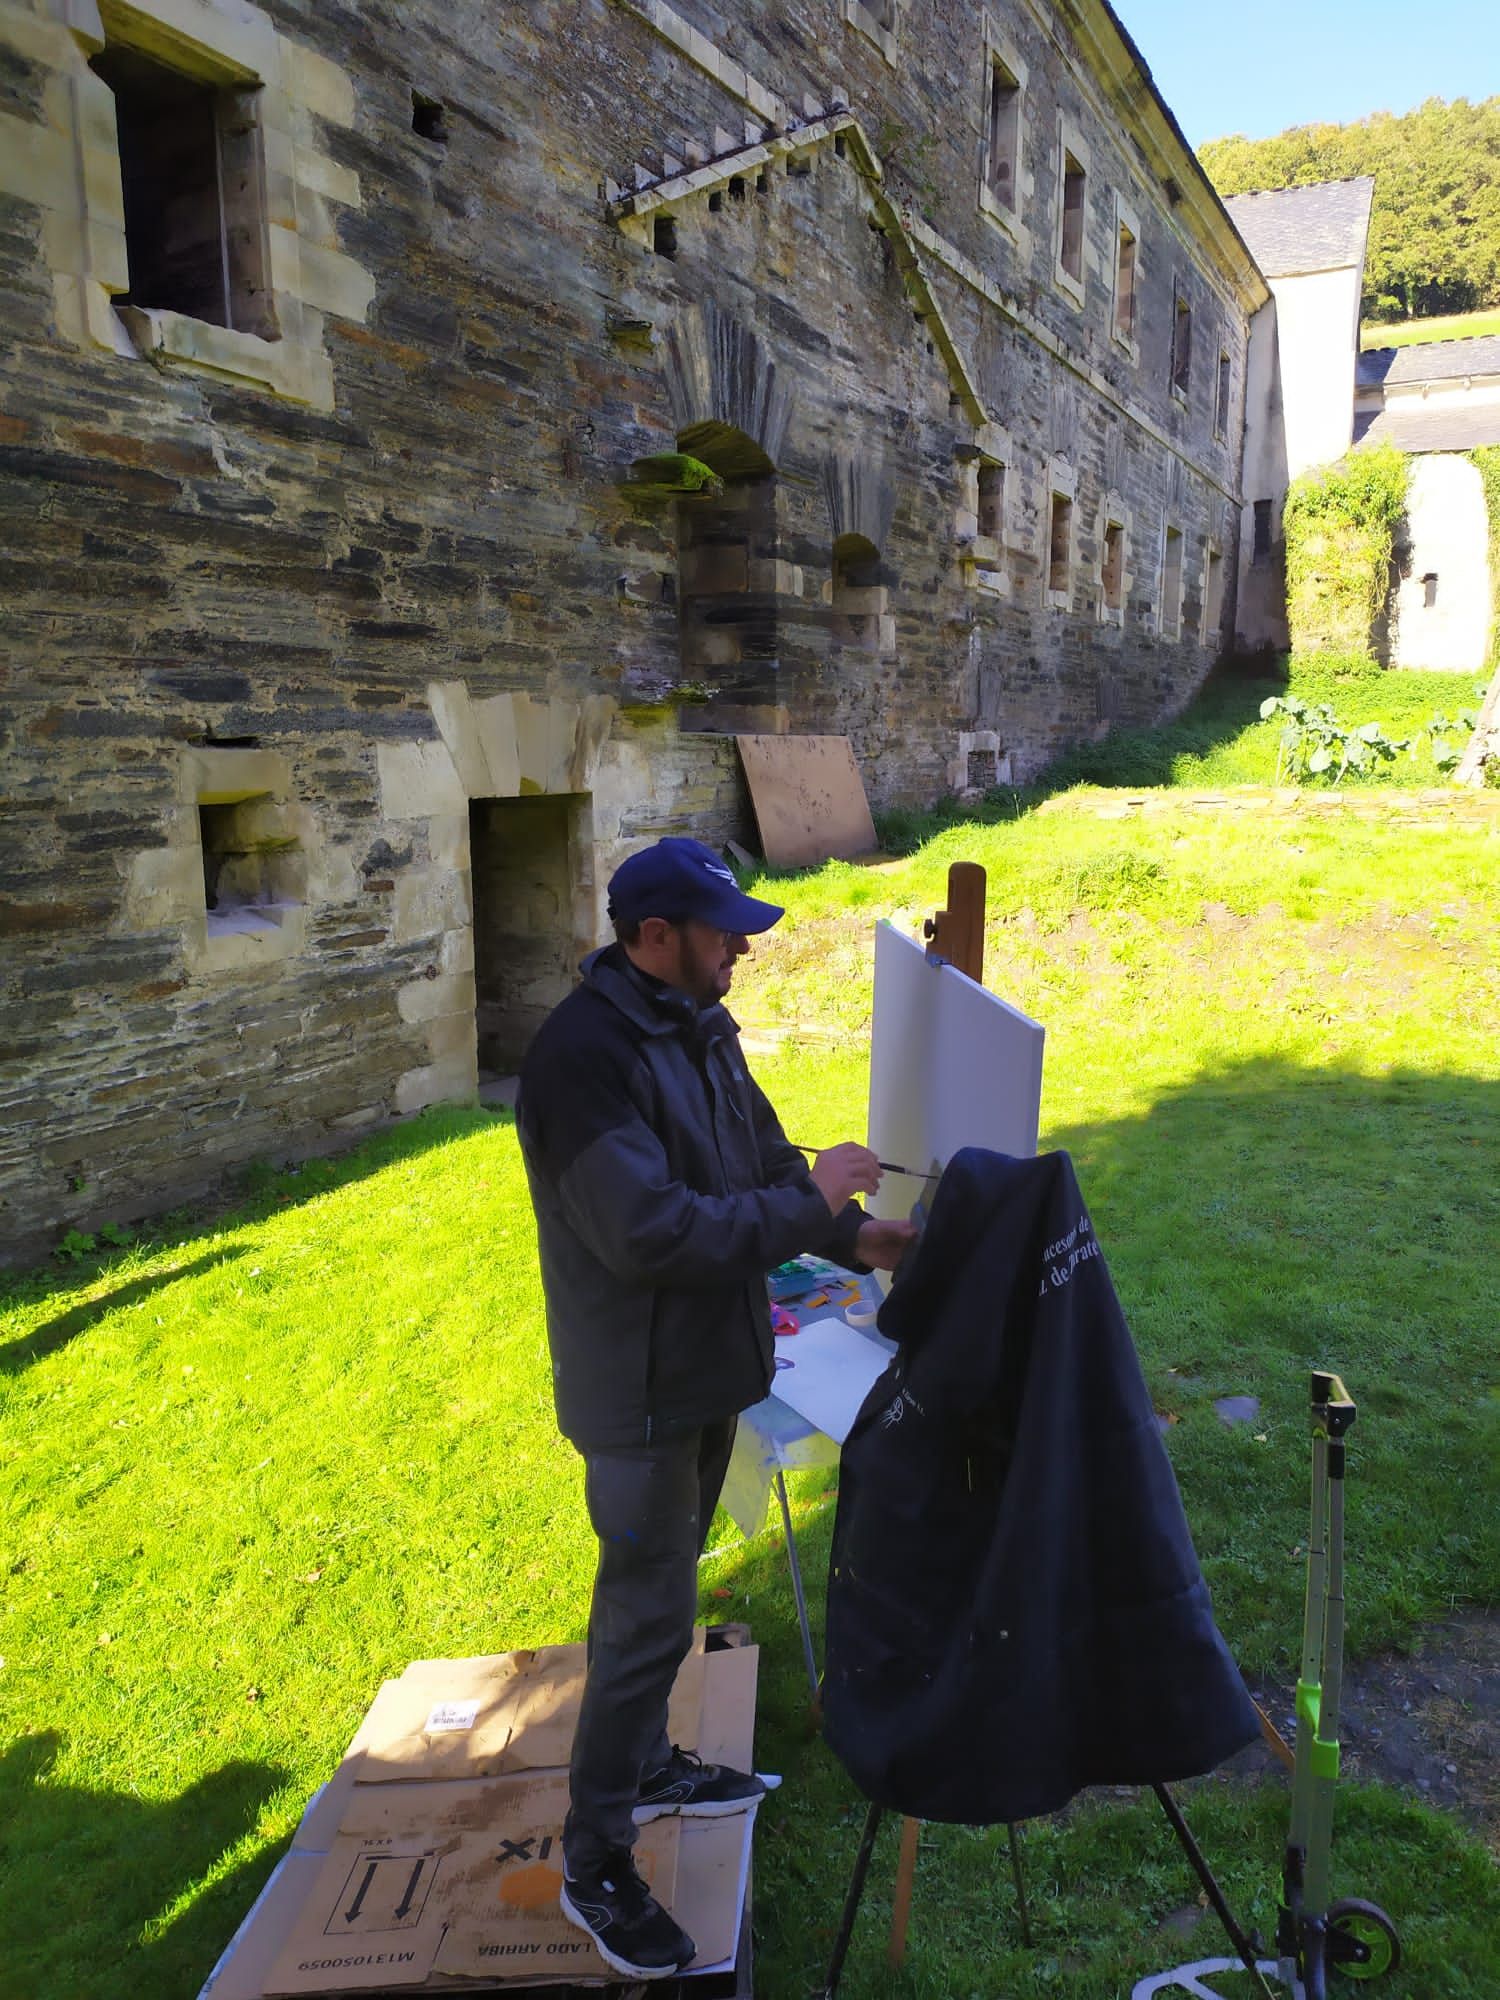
point(1437, 399)
point(1299, 406)
point(1312, 396)
point(428, 433)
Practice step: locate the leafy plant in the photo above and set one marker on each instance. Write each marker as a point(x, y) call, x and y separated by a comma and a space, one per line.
point(1339, 521)
point(1445, 754)
point(1314, 742)
point(75, 1246)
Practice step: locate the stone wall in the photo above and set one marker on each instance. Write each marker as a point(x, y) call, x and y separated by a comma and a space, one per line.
point(312, 597)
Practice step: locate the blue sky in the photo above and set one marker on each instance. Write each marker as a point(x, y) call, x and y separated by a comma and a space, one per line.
point(1258, 68)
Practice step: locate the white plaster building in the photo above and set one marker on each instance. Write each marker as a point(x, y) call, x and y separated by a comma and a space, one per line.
point(1309, 243)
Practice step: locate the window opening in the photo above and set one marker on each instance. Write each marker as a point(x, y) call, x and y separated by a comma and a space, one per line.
point(664, 236)
point(251, 865)
point(429, 120)
point(1221, 401)
point(1182, 346)
point(1260, 543)
point(1213, 597)
point(736, 187)
point(1074, 178)
point(1171, 583)
point(992, 500)
point(194, 191)
point(1003, 157)
point(1059, 549)
point(1113, 569)
point(1125, 284)
point(858, 597)
point(726, 544)
point(1429, 590)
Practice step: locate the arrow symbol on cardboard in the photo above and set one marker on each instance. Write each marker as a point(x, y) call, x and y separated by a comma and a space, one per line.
point(359, 1898)
point(403, 1908)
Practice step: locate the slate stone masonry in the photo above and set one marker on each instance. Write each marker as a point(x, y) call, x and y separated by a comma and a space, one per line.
point(448, 588)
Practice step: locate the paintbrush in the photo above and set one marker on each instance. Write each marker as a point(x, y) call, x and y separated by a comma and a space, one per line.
point(885, 1166)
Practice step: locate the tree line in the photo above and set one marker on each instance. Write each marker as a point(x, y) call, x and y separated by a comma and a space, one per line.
point(1435, 230)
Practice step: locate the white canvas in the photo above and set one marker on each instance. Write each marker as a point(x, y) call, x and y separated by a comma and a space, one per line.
point(951, 1065)
point(833, 1369)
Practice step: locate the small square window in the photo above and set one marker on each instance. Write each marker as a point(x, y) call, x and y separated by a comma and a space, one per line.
point(1070, 254)
point(1182, 346)
point(1124, 326)
point(429, 120)
point(1003, 153)
point(194, 189)
point(252, 866)
point(1060, 544)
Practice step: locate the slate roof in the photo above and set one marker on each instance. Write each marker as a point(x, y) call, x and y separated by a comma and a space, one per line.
point(1429, 361)
point(1291, 231)
point(1417, 426)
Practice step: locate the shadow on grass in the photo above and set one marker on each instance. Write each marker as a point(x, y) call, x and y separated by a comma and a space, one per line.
point(54, 1334)
point(256, 1191)
point(99, 1868)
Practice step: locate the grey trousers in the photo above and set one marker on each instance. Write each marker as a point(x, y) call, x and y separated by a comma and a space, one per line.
point(650, 1506)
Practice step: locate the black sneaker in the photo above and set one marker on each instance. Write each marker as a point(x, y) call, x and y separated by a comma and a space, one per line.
point(633, 1932)
point(697, 1790)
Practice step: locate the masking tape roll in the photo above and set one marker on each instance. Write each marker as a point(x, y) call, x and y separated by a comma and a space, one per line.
point(861, 1316)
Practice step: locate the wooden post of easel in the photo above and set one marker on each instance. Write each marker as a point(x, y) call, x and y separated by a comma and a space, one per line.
point(957, 933)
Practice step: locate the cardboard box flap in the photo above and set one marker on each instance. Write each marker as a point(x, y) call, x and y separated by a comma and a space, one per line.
point(383, 1908)
point(500, 1713)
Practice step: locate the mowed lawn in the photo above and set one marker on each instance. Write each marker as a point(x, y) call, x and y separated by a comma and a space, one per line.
point(251, 1468)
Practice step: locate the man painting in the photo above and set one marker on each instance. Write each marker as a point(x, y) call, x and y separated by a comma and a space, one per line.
point(664, 1192)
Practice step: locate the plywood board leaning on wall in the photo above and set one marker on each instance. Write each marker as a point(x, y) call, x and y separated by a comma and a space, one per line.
point(809, 799)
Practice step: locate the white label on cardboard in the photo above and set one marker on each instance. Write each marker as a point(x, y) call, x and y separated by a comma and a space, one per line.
point(450, 1716)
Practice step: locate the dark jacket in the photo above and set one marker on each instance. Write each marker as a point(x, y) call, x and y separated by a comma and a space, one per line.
point(1015, 1610)
point(664, 1192)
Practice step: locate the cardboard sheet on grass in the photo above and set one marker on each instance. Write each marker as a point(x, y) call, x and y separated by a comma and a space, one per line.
point(432, 1860)
point(809, 799)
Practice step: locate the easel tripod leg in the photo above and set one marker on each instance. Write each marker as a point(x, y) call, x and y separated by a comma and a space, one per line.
point(1212, 1890)
point(851, 1901)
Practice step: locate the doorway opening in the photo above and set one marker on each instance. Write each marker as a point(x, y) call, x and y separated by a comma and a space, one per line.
point(524, 854)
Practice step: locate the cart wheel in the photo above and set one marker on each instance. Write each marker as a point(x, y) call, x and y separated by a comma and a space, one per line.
point(1362, 1940)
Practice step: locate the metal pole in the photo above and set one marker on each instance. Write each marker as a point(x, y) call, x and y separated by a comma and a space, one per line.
point(797, 1590)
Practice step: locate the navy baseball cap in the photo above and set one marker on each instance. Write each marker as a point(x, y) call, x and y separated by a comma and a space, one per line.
point(679, 879)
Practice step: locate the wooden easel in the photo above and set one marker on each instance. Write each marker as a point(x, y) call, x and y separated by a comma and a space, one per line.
point(955, 934)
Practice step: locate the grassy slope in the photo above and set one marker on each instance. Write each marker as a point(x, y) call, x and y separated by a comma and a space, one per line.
point(253, 1468)
point(1406, 332)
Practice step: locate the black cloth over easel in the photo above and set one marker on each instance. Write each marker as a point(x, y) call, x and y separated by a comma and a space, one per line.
point(1015, 1609)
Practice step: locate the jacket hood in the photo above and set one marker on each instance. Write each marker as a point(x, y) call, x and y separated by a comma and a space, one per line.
point(653, 1008)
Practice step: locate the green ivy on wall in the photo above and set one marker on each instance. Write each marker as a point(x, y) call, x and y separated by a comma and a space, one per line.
point(1339, 523)
point(1487, 458)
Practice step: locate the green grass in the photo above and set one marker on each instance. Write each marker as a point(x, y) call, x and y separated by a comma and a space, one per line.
point(1403, 332)
point(252, 1467)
